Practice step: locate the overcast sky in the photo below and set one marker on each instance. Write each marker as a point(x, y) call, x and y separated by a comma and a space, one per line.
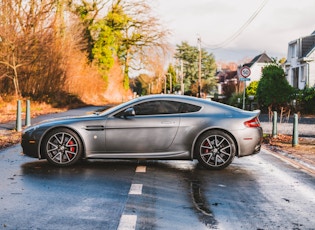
point(215, 21)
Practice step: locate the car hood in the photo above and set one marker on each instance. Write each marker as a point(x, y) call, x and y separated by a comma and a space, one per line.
point(63, 121)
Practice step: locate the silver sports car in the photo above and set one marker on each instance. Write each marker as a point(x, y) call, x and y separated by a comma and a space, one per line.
point(150, 127)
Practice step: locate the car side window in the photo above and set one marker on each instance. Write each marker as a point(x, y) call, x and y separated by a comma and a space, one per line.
point(145, 108)
point(158, 107)
point(162, 107)
point(189, 108)
point(148, 108)
point(170, 107)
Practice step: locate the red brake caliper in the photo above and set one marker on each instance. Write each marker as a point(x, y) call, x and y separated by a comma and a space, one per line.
point(206, 150)
point(72, 148)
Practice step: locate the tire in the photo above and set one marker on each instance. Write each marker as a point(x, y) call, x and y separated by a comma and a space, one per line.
point(215, 149)
point(62, 147)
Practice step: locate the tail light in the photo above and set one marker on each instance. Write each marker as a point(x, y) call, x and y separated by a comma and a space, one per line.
point(252, 123)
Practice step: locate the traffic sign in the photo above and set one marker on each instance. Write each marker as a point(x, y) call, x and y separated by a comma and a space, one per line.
point(244, 79)
point(245, 71)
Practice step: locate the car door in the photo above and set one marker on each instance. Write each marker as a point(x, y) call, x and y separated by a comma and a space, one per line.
point(152, 129)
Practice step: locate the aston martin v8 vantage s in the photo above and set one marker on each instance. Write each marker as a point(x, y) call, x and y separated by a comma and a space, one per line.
point(150, 127)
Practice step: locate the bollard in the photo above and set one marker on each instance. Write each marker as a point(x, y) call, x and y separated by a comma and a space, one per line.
point(295, 137)
point(274, 124)
point(18, 124)
point(28, 113)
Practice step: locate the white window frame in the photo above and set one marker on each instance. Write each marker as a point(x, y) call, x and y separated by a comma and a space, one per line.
point(293, 50)
point(303, 73)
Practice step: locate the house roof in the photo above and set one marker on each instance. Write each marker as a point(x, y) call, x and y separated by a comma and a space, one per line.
point(307, 44)
point(261, 58)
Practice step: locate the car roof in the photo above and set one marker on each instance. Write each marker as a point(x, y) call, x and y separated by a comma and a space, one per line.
point(206, 104)
point(175, 97)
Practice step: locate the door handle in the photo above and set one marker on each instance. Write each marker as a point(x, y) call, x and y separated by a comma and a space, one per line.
point(168, 122)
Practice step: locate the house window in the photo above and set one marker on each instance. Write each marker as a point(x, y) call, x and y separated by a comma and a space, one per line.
point(303, 73)
point(293, 50)
point(295, 75)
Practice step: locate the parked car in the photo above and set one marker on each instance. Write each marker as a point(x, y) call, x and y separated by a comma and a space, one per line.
point(150, 127)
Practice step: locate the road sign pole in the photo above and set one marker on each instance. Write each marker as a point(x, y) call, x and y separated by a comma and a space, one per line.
point(245, 73)
point(244, 95)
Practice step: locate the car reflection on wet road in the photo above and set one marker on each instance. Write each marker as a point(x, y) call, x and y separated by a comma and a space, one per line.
point(260, 192)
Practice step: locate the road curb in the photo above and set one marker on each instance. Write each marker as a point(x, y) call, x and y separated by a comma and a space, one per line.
point(297, 163)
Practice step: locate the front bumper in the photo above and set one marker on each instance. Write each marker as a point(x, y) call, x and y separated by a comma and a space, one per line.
point(30, 147)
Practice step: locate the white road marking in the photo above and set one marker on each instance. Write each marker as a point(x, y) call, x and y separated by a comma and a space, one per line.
point(135, 189)
point(127, 222)
point(141, 169)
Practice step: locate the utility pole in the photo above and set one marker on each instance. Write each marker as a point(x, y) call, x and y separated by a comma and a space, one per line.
point(182, 88)
point(170, 82)
point(199, 67)
point(165, 83)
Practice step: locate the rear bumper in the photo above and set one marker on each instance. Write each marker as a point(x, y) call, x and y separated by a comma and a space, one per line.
point(250, 141)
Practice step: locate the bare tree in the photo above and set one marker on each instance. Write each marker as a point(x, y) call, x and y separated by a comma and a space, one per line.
point(141, 33)
point(22, 24)
point(40, 40)
point(36, 43)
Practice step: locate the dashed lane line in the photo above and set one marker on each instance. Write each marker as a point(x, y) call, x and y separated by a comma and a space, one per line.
point(135, 189)
point(128, 222)
point(141, 169)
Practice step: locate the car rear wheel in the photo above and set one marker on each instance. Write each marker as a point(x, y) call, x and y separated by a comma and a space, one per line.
point(215, 149)
point(62, 147)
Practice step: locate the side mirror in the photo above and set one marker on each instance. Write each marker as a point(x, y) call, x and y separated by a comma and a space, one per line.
point(130, 112)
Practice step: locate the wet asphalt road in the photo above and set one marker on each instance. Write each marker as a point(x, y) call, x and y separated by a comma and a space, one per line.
point(256, 192)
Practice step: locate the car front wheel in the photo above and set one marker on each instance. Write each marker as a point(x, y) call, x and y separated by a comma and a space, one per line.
point(62, 147)
point(215, 149)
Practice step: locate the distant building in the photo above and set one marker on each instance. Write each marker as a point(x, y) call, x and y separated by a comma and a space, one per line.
point(225, 77)
point(229, 81)
point(300, 64)
point(256, 66)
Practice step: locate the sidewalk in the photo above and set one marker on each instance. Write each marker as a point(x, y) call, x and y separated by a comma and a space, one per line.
point(306, 129)
point(306, 126)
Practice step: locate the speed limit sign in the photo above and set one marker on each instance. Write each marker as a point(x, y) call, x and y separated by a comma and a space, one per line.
point(245, 71)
